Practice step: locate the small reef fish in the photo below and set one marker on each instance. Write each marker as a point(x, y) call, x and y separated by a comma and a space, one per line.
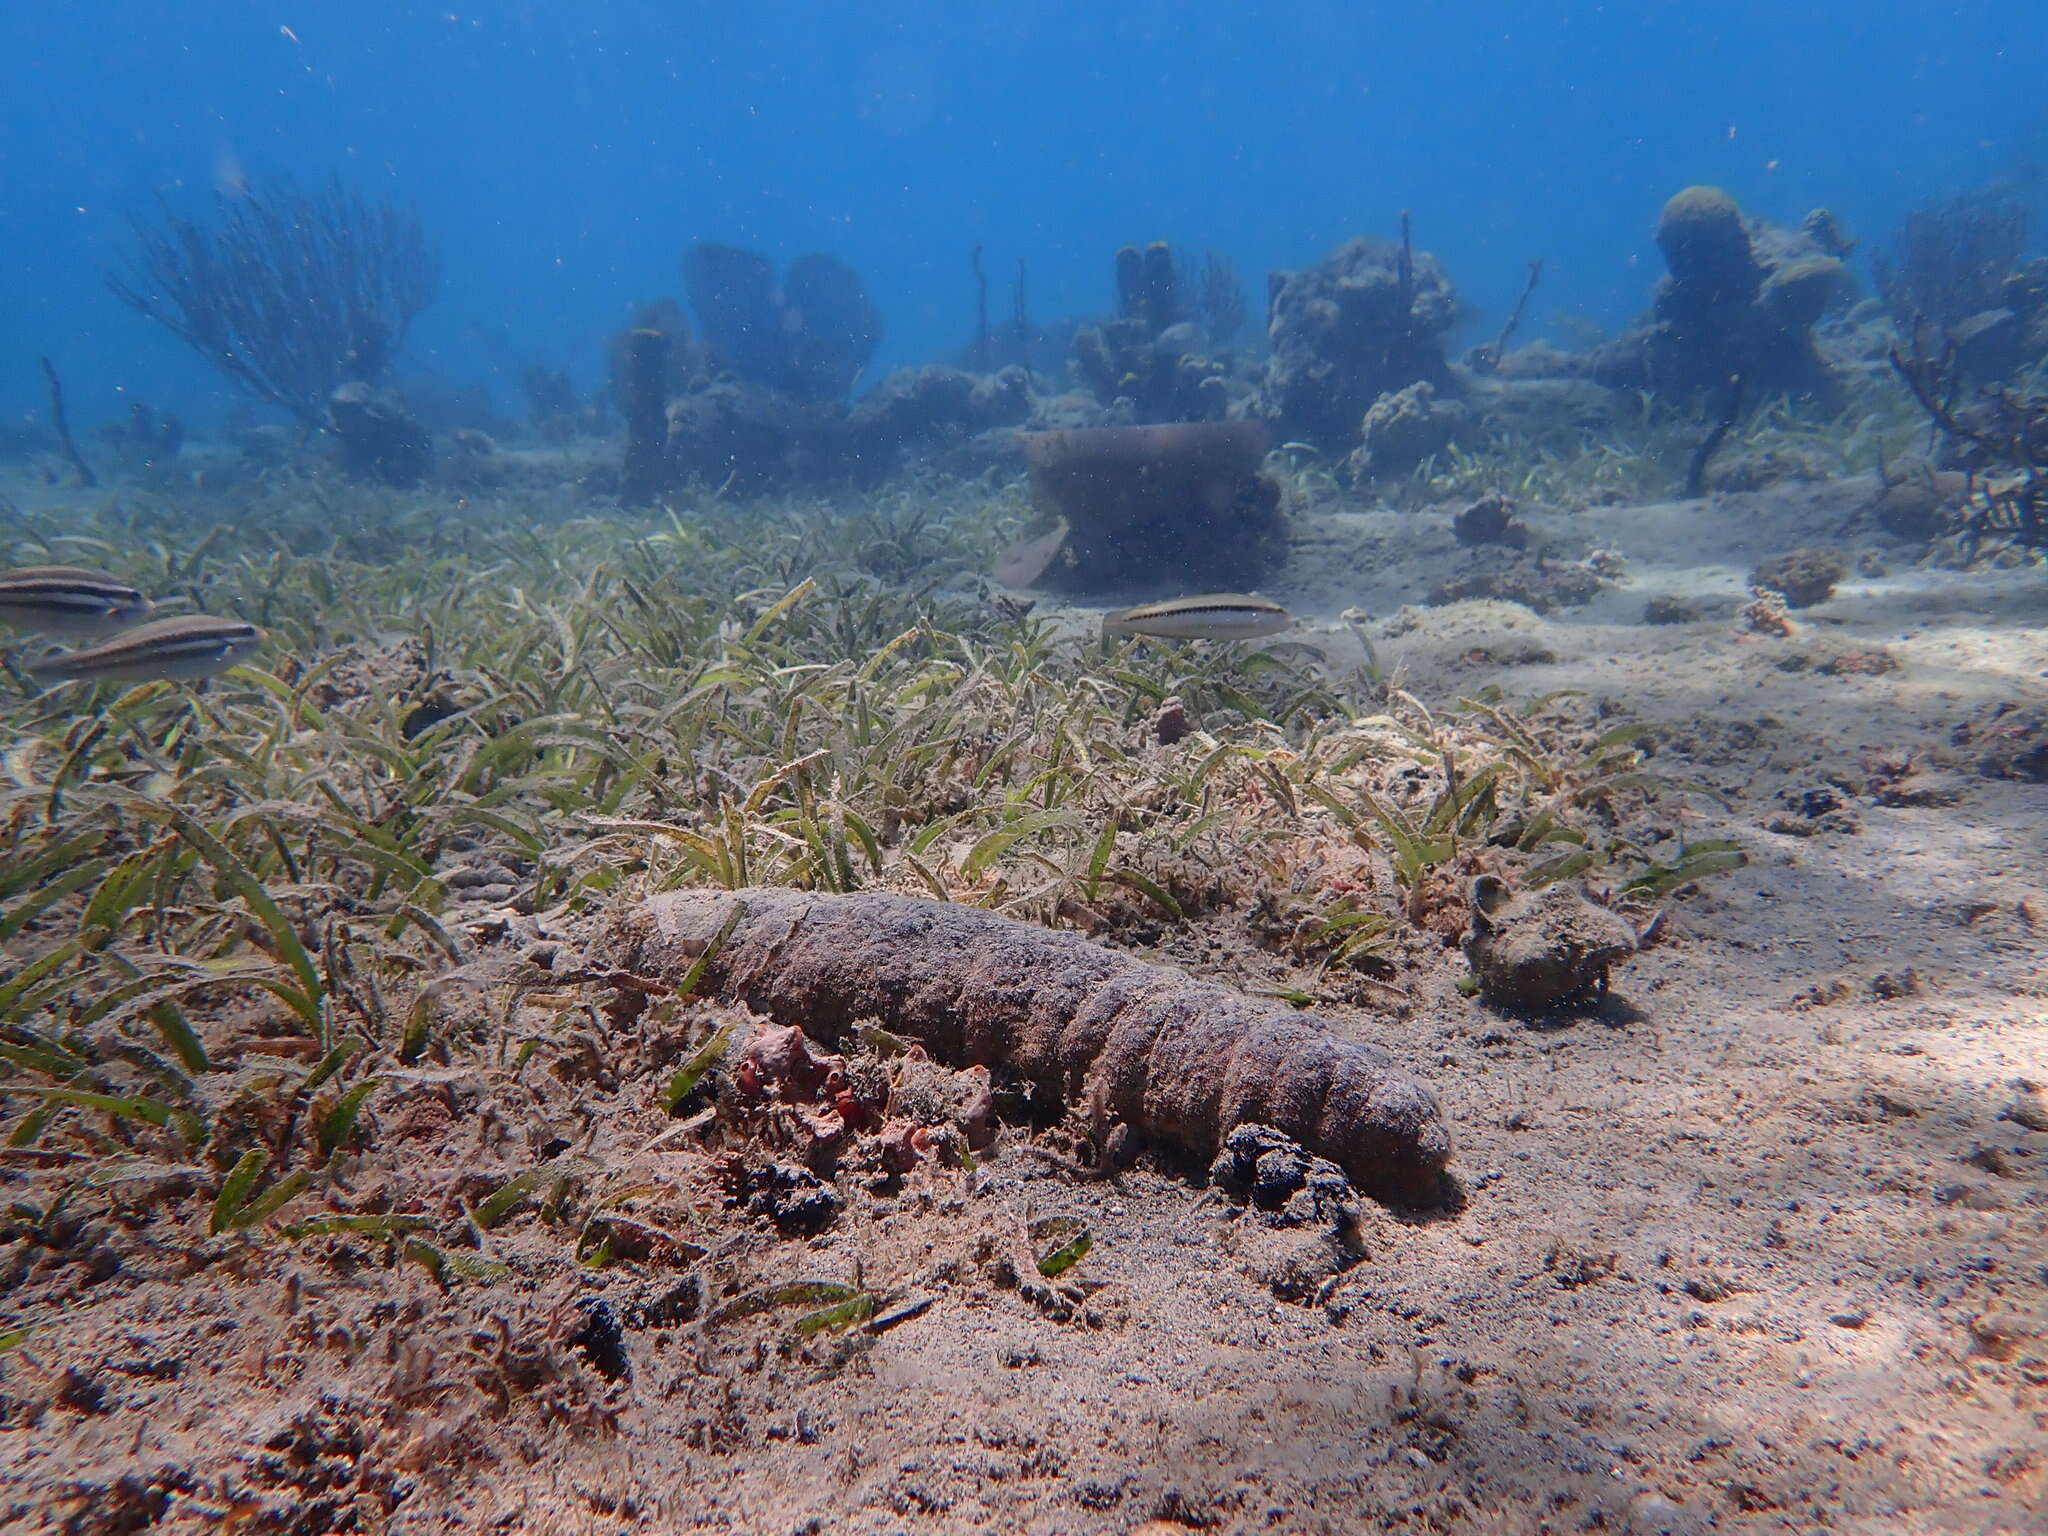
point(67, 600)
point(185, 648)
point(1211, 616)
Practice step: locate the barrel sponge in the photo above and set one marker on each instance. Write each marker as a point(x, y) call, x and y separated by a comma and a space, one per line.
point(1705, 242)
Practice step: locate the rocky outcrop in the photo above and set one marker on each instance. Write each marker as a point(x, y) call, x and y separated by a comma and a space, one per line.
point(1366, 321)
point(1740, 299)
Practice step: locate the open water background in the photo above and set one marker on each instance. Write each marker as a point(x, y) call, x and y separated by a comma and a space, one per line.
point(563, 154)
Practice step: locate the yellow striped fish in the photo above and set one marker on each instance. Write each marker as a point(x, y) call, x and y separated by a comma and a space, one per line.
point(185, 648)
point(1210, 616)
point(69, 600)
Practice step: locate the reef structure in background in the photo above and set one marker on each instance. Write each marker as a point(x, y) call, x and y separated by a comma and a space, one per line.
point(1955, 267)
point(1999, 439)
point(147, 442)
point(301, 300)
point(809, 337)
point(935, 409)
point(683, 358)
point(1366, 321)
point(1404, 428)
point(1155, 354)
point(640, 384)
point(756, 400)
point(380, 437)
point(1740, 299)
point(1155, 510)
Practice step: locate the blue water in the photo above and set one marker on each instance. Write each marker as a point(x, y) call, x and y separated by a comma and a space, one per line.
point(563, 154)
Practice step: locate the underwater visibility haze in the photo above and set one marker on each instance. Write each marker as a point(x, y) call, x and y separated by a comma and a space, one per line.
point(897, 768)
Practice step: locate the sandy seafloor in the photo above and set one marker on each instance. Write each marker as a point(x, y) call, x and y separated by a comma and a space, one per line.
point(1760, 1247)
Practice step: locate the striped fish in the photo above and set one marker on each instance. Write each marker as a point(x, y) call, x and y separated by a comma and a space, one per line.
point(66, 600)
point(186, 648)
point(1211, 616)
point(2015, 506)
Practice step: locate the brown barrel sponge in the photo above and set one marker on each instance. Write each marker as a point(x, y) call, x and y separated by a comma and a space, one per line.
point(1180, 1061)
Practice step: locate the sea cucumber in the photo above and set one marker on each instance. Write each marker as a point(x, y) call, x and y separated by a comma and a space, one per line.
point(1179, 1061)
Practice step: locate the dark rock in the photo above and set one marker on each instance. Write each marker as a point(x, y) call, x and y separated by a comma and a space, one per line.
point(601, 1338)
point(1277, 1175)
point(1302, 1224)
point(669, 1305)
point(1918, 501)
point(2010, 743)
point(81, 1391)
point(1272, 1171)
point(1917, 787)
point(1543, 949)
point(799, 1202)
point(380, 438)
point(1813, 799)
point(2029, 1106)
point(1813, 809)
point(1491, 520)
point(1237, 1165)
point(1170, 722)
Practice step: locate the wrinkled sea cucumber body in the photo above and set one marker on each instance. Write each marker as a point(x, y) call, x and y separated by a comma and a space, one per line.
point(1180, 1061)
